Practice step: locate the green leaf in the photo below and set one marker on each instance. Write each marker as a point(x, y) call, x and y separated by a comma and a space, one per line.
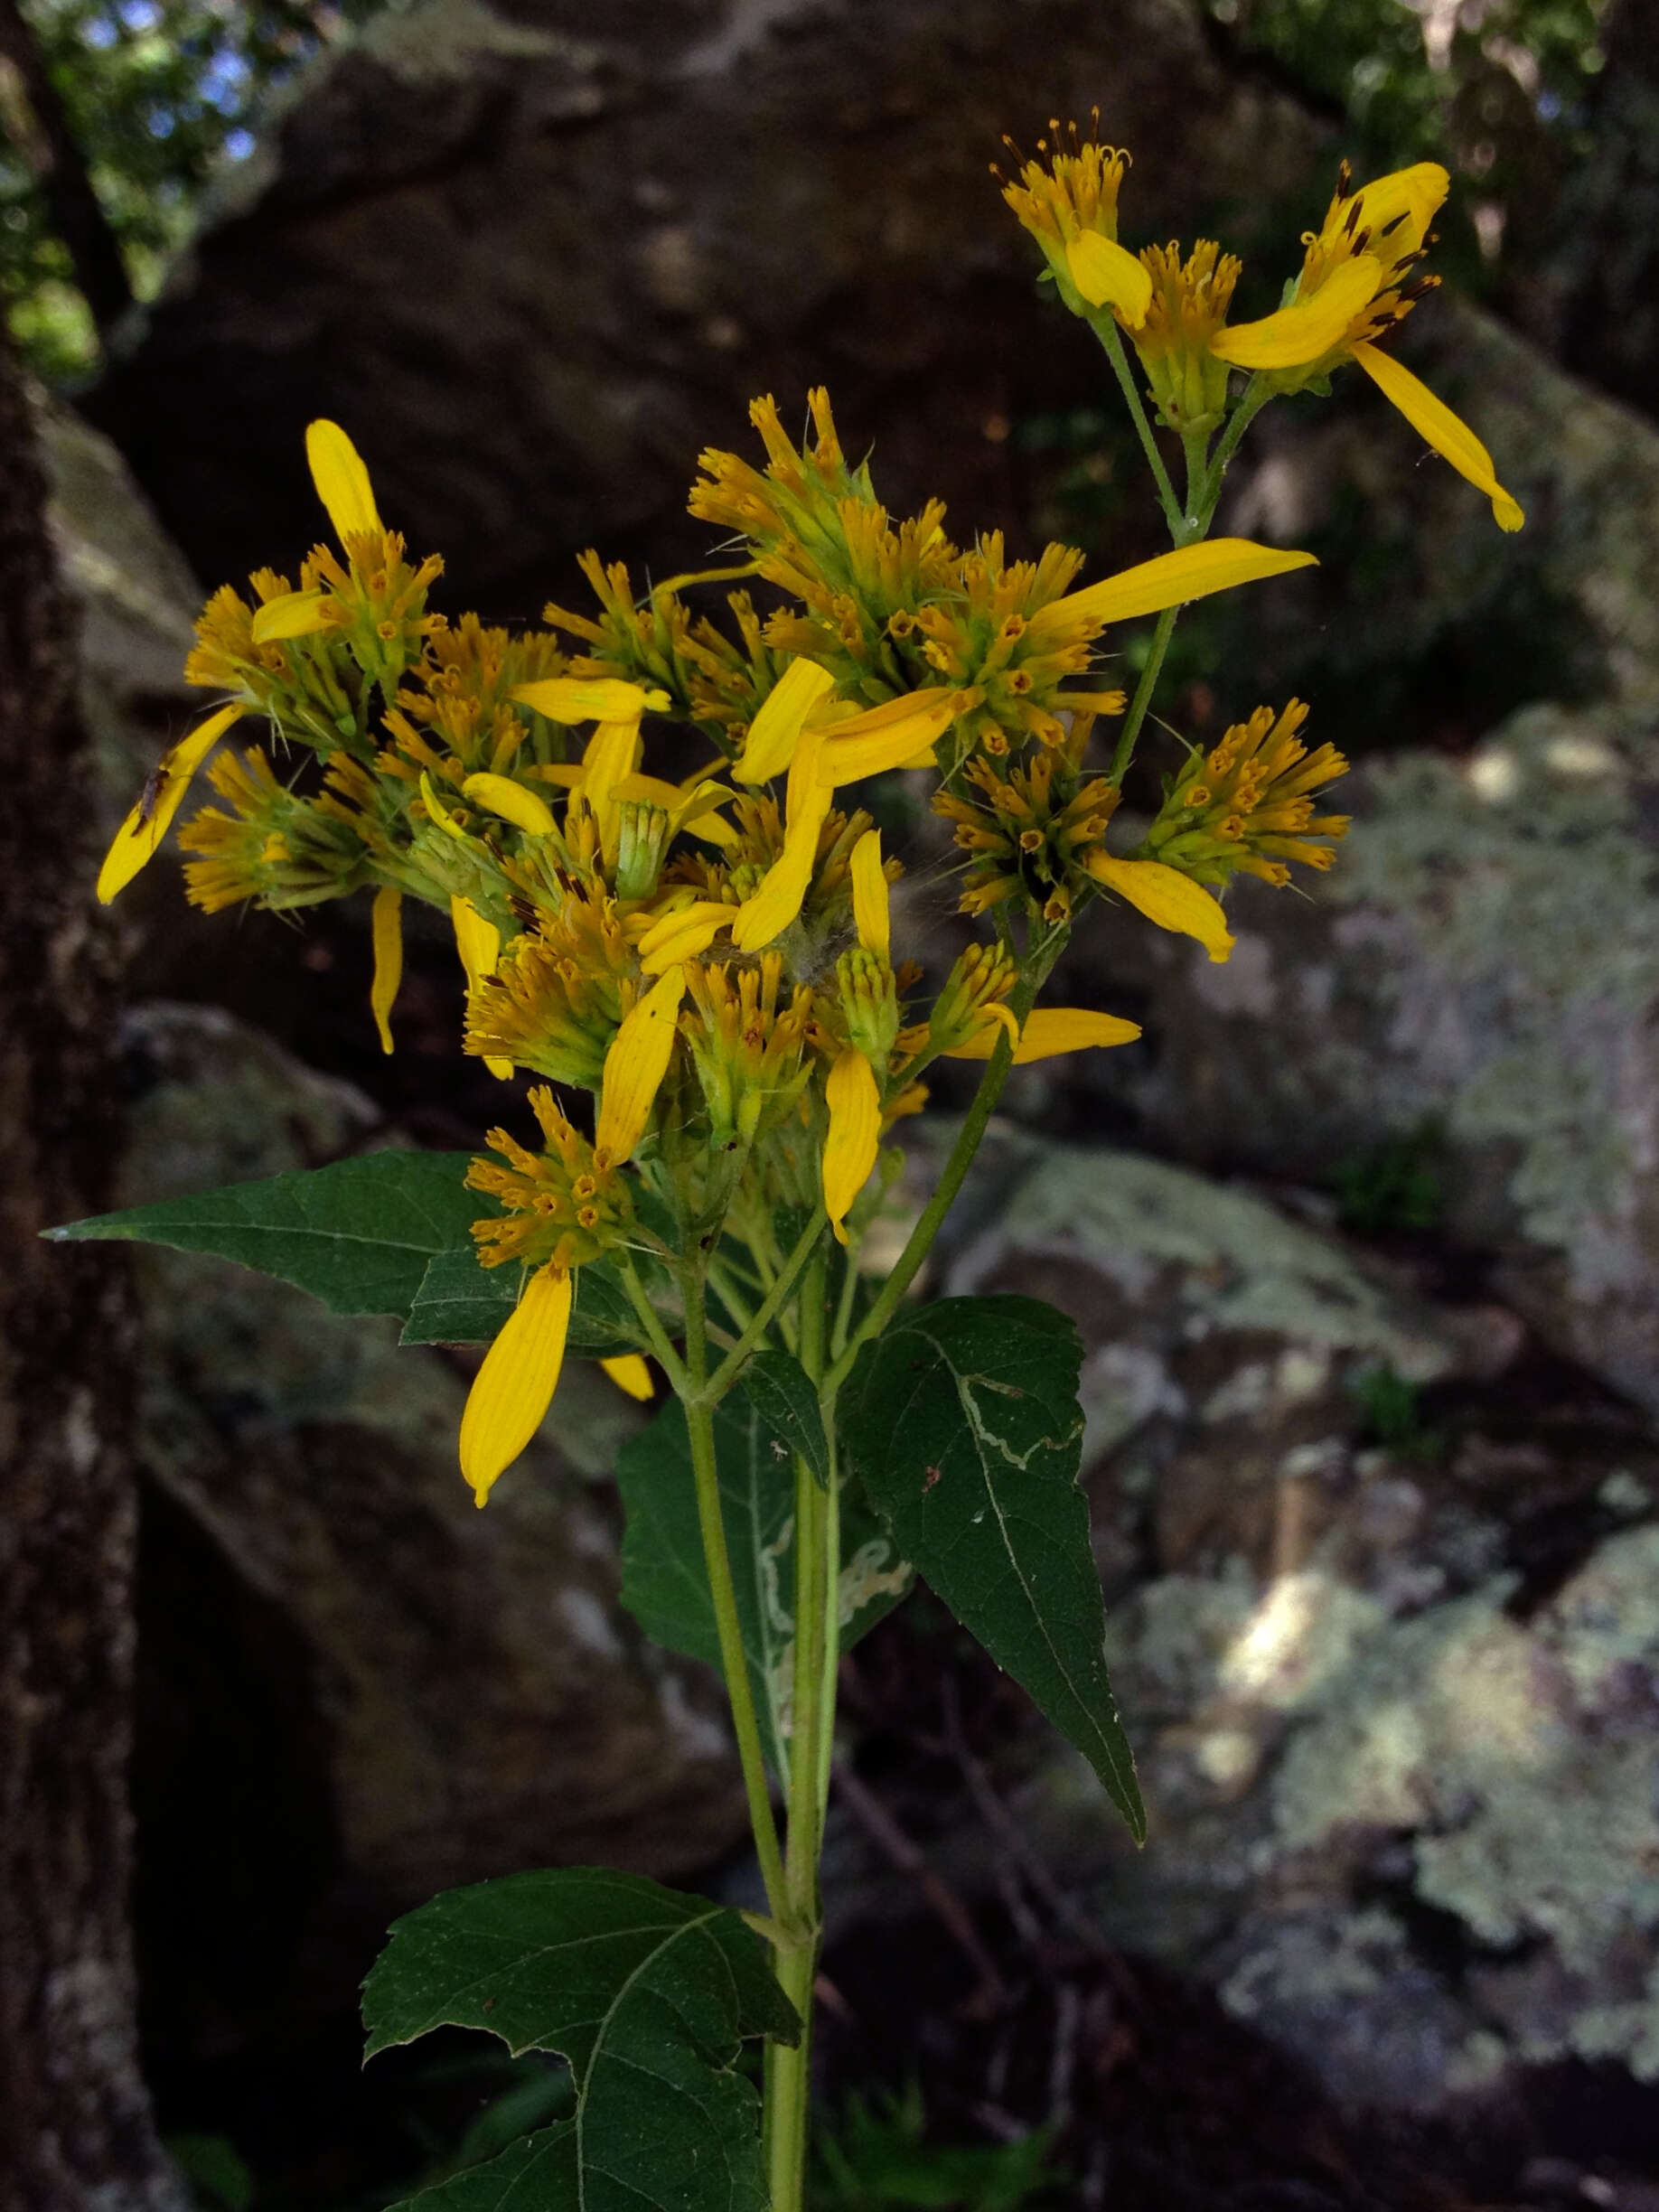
point(778, 1388)
point(963, 1421)
point(460, 1302)
point(648, 1995)
point(360, 1235)
point(663, 1582)
point(538, 2173)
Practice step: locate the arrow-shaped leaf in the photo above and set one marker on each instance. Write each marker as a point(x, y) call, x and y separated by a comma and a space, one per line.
point(963, 1421)
point(358, 1234)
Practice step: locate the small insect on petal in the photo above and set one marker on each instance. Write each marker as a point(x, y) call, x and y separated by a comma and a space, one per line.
point(1449, 434)
point(151, 813)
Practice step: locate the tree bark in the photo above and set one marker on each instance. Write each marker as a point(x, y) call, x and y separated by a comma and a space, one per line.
point(77, 2125)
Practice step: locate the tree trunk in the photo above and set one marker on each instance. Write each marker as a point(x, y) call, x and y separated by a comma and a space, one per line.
point(77, 2124)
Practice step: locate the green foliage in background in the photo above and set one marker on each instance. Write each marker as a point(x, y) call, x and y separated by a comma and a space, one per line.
point(879, 2155)
point(161, 96)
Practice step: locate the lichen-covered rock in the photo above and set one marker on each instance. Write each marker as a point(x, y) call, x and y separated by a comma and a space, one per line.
point(478, 1701)
point(1480, 973)
point(1395, 1705)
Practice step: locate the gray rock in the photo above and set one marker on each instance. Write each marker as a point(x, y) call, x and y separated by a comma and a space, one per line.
point(613, 228)
point(1396, 1709)
point(484, 1704)
point(1482, 967)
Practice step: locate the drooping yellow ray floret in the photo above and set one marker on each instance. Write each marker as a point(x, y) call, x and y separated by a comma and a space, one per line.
point(1357, 284)
point(1174, 901)
point(151, 815)
point(514, 1387)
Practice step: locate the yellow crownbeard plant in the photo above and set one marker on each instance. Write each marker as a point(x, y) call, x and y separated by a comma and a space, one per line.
point(643, 825)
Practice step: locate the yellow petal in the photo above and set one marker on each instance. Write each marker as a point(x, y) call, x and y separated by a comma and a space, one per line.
point(901, 734)
point(514, 1387)
point(1174, 901)
point(290, 615)
point(511, 801)
point(1194, 572)
point(1307, 328)
point(611, 756)
point(439, 812)
point(770, 745)
point(683, 934)
point(1450, 436)
point(855, 1134)
point(635, 1065)
point(135, 842)
point(478, 943)
point(872, 910)
point(1051, 1030)
point(629, 1372)
point(765, 916)
point(387, 931)
point(343, 482)
point(1414, 193)
point(1109, 276)
point(590, 698)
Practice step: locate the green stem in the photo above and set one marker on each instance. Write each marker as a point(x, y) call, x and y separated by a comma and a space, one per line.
point(656, 1336)
point(766, 1312)
point(1255, 397)
point(1142, 699)
point(1202, 489)
point(716, 1561)
point(1105, 328)
point(919, 1241)
point(789, 2074)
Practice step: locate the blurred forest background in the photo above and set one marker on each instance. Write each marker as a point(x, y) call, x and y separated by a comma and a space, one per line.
point(1363, 1237)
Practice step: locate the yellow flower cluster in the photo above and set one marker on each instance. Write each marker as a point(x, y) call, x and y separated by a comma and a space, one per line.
point(709, 957)
point(1359, 280)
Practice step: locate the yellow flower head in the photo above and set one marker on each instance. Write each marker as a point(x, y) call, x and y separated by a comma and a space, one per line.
point(1246, 807)
point(1358, 283)
point(273, 847)
point(1068, 200)
point(564, 1205)
point(1186, 310)
point(1025, 831)
point(556, 997)
point(747, 1043)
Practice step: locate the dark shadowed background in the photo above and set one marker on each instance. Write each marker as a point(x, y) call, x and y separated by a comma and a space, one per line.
point(1363, 1236)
